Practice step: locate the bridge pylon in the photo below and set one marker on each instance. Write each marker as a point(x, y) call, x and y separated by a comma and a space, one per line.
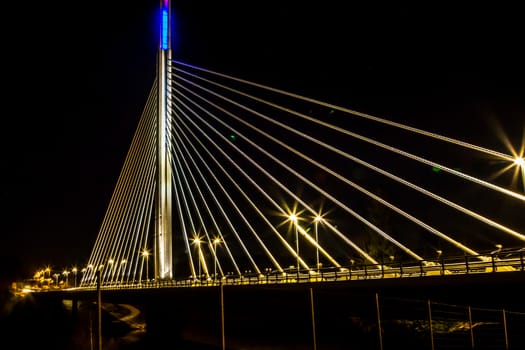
point(163, 220)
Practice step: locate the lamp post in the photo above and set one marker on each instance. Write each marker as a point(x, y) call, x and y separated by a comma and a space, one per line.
point(123, 264)
point(197, 241)
point(75, 270)
point(317, 220)
point(496, 253)
point(293, 218)
point(48, 270)
point(40, 276)
point(66, 273)
point(439, 256)
point(216, 242)
point(56, 279)
point(145, 255)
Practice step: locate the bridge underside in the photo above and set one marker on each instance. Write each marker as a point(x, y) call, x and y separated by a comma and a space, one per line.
point(342, 313)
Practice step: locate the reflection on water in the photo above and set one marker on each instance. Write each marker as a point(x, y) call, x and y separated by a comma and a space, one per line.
point(29, 325)
point(260, 320)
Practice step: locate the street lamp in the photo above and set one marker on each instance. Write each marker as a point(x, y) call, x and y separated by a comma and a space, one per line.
point(40, 276)
point(56, 279)
point(123, 263)
point(66, 273)
point(83, 271)
point(496, 252)
point(145, 255)
point(198, 242)
point(317, 220)
point(216, 241)
point(48, 270)
point(294, 219)
point(75, 270)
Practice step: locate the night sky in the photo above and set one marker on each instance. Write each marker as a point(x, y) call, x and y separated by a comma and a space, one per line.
point(77, 78)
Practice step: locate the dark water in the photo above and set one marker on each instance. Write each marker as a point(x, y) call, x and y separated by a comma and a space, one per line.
point(31, 326)
point(343, 321)
point(28, 325)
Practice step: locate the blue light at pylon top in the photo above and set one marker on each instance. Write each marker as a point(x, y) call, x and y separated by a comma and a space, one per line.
point(164, 45)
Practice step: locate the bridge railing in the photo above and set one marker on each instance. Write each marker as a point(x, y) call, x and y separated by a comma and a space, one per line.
point(493, 262)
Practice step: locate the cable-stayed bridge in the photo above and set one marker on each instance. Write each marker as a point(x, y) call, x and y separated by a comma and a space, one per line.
point(227, 179)
point(279, 201)
point(265, 180)
point(290, 214)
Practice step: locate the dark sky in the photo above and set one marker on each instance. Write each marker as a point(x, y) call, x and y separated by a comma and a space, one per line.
point(76, 77)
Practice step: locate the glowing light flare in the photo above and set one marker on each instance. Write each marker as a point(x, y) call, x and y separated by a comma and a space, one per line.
point(518, 164)
point(291, 216)
point(516, 161)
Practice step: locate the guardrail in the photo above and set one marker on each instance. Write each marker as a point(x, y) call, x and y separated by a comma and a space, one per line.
point(487, 263)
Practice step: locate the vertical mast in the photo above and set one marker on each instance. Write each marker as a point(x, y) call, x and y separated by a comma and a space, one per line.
point(163, 225)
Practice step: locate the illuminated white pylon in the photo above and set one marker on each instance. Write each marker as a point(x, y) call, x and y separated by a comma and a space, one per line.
point(163, 224)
